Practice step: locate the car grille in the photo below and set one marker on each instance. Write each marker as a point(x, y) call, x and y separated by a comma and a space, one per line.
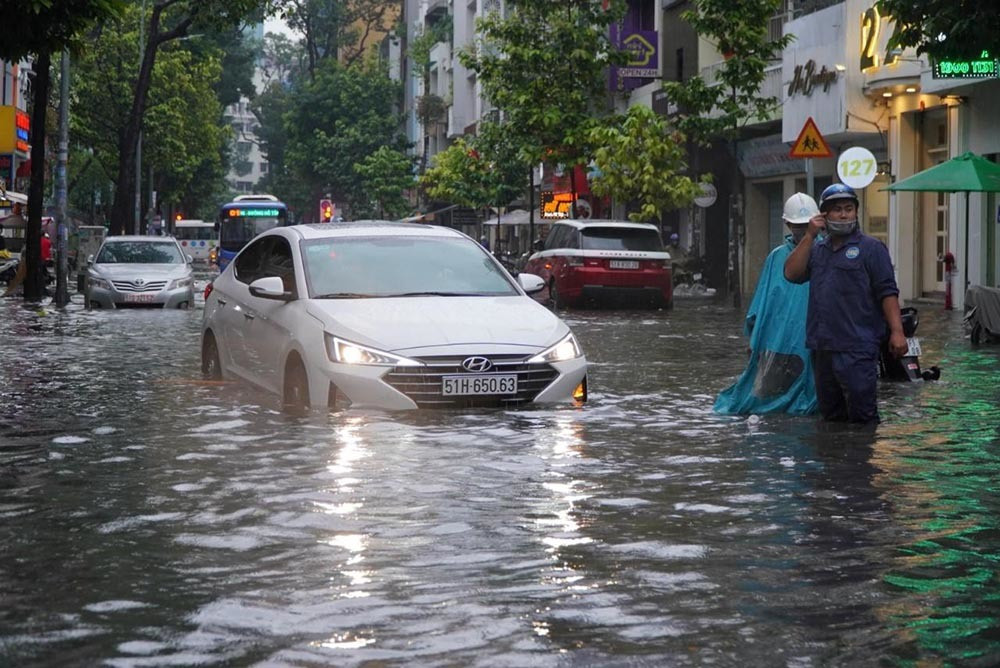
point(423, 384)
point(145, 286)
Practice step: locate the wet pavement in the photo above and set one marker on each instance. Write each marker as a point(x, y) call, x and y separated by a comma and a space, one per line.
point(150, 519)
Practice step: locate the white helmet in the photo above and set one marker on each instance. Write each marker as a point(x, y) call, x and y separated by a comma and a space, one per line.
point(799, 208)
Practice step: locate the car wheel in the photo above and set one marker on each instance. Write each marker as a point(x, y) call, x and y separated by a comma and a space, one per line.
point(296, 394)
point(554, 298)
point(211, 367)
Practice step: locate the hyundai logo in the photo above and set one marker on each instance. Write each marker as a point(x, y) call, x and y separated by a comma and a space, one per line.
point(477, 364)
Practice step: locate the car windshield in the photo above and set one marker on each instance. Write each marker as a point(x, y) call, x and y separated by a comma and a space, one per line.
point(621, 238)
point(401, 266)
point(140, 252)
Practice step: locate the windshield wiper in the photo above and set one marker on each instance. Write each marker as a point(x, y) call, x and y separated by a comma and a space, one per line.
point(436, 293)
point(345, 295)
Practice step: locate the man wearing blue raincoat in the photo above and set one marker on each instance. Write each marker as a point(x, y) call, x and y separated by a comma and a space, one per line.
point(779, 376)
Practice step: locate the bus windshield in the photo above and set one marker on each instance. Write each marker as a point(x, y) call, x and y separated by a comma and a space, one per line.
point(237, 231)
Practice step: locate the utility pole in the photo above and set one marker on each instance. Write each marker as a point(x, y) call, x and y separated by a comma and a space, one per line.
point(62, 227)
point(138, 142)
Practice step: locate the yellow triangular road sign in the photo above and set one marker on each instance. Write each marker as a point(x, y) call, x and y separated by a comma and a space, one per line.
point(810, 143)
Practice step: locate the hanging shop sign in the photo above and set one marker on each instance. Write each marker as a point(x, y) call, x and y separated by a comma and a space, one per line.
point(15, 130)
point(643, 59)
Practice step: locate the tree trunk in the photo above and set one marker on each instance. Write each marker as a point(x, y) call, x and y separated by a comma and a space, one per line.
point(31, 254)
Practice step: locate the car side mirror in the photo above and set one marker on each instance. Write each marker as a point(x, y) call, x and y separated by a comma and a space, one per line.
point(538, 245)
point(190, 260)
point(270, 287)
point(90, 260)
point(530, 283)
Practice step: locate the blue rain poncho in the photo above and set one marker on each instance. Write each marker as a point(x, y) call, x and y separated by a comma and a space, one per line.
point(779, 375)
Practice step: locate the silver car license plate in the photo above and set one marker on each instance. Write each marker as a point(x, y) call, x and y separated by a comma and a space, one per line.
point(624, 264)
point(478, 384)
point(140, 298)
point(912, 346)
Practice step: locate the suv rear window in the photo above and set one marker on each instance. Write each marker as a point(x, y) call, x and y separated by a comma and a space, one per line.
point(611, 238)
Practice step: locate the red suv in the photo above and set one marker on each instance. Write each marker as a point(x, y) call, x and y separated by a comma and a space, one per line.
point(607, 262)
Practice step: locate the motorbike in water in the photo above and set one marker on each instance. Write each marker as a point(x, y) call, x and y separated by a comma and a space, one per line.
point(906, 368)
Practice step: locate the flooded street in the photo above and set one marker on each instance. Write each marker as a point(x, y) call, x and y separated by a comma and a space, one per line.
point(150, 519)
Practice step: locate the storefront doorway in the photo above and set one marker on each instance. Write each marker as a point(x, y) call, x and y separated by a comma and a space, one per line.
point(933, 236)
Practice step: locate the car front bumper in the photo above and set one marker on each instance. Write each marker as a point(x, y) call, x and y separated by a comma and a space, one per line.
point(110, 298)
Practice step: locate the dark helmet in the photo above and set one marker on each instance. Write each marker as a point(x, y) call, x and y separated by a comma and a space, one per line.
point(835, 192)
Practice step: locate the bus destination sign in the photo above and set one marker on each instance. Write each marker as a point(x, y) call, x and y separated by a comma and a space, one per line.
point(253, 213)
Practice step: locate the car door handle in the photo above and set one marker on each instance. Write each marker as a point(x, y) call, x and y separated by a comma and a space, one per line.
point(222, 302)
point(248, 315)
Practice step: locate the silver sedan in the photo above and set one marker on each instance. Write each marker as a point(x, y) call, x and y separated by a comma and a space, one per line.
point(139, 272)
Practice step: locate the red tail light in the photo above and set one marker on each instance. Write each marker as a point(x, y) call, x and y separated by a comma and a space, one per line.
point(208, 289)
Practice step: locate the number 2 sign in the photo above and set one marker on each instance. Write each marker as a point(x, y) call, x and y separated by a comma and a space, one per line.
point(857, 167)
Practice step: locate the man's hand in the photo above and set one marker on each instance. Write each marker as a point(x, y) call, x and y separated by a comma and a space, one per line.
point(897, 344)
point(817, 224)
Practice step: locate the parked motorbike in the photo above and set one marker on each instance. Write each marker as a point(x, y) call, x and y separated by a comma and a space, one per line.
point(906, 368)
point(982, 314)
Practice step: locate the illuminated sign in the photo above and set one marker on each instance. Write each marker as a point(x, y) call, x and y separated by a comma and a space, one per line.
point(806, 78)
point(15, 130)
point(556, 205)
point(871, 29)
point(254, 213)
point(980, 68)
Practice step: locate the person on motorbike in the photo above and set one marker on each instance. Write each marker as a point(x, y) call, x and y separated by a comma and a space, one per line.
point(853, 299)
point(778, 377)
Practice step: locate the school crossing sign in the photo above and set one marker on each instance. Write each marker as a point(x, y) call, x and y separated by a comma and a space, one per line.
point(810, 143)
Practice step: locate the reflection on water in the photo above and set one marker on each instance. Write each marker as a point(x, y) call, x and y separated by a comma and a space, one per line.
point(149, 519)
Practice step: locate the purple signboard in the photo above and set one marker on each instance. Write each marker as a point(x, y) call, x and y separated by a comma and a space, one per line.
point(643, 64)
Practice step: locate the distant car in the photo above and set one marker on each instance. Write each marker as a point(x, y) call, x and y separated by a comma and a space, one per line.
point(386, 315)
point(605, 262)
point(139, 271)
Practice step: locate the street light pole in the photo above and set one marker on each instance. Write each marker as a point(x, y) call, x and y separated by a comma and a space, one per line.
point(62, 295)
point(138, 141)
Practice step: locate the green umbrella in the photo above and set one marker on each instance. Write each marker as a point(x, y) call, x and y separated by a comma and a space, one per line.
point(965, 173)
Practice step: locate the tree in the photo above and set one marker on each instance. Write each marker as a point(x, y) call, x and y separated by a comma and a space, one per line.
point(716, 110)
point(387, 175)
point(44, 28)
point(642, 159)
point(343, 29)
point(544, 67)
point(333, 122)
point(184, 139)
point(169, 20)
point(945, 28)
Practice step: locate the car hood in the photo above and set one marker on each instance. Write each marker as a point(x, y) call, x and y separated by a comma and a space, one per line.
point(425, 325)
point(146, 271)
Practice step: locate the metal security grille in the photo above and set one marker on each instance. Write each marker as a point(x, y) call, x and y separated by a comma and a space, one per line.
point(148, 286)
point(423, 384)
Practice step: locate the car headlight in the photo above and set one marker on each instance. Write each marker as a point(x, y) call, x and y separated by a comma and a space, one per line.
point(99, 283)
point(346, 352)
point(567, 349)
point(178, 283)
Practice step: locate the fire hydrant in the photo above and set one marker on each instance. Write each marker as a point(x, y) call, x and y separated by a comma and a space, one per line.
point(949, 270)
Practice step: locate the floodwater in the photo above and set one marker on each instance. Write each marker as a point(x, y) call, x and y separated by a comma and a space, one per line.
point(148, 519)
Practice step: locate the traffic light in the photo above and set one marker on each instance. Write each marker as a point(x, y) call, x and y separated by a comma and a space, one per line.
point(325, 210)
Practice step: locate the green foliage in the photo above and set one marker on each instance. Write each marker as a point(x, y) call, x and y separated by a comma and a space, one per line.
point(485, 171)
point(544, 66)
point(967, 26)
point(333, 29)
point(336, 120)
point(641, 159)
point(740, 30)
point(34, 26)
point(387, 176)
point(182, 141)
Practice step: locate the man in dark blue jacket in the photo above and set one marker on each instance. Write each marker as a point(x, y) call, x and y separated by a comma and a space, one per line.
point(853, 300)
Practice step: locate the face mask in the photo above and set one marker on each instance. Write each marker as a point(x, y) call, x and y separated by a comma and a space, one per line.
point(842, 228)
point(798, 231)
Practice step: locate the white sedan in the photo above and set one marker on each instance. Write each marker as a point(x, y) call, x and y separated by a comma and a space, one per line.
point(386, 315)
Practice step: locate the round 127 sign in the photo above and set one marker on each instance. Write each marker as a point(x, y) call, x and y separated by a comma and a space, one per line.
point(857, 167)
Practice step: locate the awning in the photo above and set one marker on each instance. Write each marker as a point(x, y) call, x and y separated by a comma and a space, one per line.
point(519, 217)
point(10, 196)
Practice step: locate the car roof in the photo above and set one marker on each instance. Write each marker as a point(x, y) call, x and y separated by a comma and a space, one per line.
point(585, 223)
point(138, 237)
point(362, 228)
